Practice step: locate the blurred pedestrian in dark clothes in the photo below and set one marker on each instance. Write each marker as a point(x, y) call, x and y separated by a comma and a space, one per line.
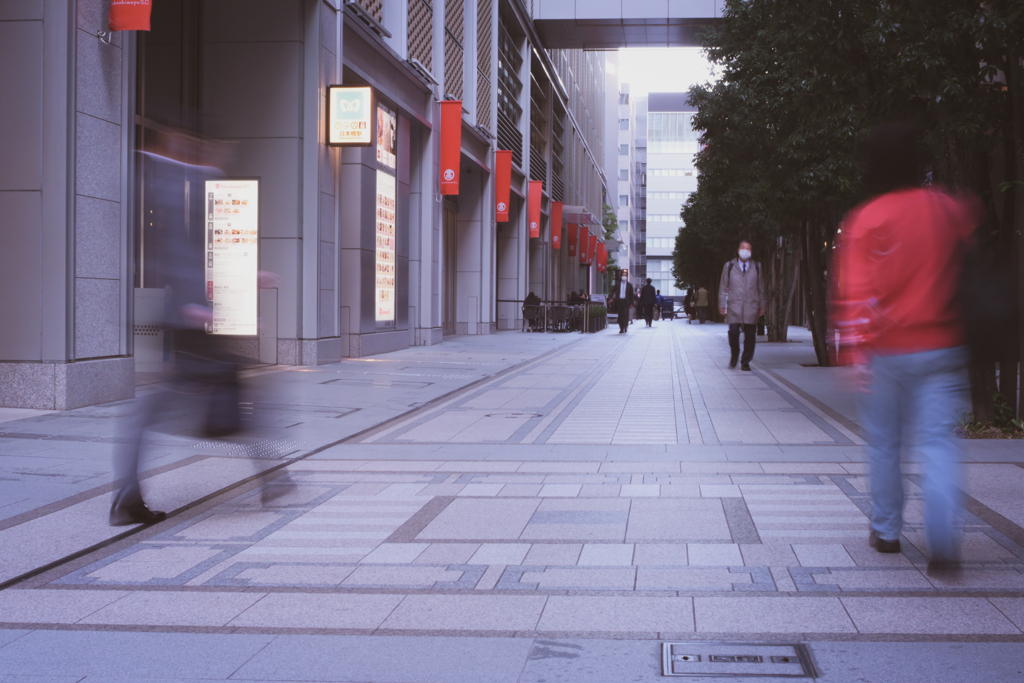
point(203, 385)
point(648, 299)
point(897, 320)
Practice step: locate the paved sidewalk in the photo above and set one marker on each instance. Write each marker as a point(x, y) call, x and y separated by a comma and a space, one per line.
point(558, 522)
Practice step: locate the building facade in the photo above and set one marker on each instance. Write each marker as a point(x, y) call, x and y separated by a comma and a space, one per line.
point(80, 265)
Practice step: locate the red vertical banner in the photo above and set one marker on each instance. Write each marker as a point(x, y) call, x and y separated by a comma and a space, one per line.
point(536, 190)
point(556, 225)
point(593, 249)
point(129, 15)
point(584, 245)
point(502, 184)
point(602, 257)
point(573, 234)
point(451, 145)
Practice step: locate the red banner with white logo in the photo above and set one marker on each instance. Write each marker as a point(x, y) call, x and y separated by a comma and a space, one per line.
point(536, 190)
point(602, 257)
point(451, 145)
point(574, 233)
point(584, 245)
point(556, 225)
point(502, 183)
point(593, 250)
point(129, 15)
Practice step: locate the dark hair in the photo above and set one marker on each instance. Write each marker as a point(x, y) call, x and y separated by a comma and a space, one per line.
point(648, 280)
point(744, 240)
point(892, 158)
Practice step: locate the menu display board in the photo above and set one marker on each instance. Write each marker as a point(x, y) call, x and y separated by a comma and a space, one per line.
point(349, 115)
point(384, 294)
point(232, 256)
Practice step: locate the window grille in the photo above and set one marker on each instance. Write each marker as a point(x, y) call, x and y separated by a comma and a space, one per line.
point(421, 32)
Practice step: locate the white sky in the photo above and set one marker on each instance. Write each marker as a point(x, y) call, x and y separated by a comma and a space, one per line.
point(662, 69)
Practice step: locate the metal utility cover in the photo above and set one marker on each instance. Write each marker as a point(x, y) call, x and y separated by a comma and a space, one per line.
point(770, 660)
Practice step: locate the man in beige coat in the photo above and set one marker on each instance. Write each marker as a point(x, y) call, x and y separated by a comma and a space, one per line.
point(742, 299)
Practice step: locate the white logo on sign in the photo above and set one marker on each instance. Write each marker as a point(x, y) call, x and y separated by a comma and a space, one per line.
point(449, 174)
point(501, 206)
point(349, 105)
point(533, 225)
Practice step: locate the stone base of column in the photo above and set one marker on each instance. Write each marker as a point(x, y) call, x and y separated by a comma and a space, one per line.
point(63, 386)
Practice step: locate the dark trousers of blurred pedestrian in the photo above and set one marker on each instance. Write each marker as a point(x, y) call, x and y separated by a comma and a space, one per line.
point(624, 318)
point(702, 314)
point(648, 313)
point(919, 395)
point(749, 339)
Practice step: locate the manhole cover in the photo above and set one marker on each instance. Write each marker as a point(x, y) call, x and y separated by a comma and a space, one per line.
point(776, 660)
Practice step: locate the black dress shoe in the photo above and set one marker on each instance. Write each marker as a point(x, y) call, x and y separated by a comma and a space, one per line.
point(745, 366)
point(123, 515)
point(944, 569)
point(882, 545)
point(732, 362)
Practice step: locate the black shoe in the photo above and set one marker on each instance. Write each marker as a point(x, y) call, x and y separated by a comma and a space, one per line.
point(882, 545)
point(944, 569)
point(745, 366)
point(733, 361)
point(123, 515)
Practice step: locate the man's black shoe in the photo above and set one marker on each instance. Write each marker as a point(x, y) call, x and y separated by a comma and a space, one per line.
point(944, 569)
point(733, 361)
point(123, 515)
point(882, 545)
point(745, 366)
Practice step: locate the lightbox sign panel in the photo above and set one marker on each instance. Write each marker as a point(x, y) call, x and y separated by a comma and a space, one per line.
point(232, 256)
point(385, 271)
point(349, 115)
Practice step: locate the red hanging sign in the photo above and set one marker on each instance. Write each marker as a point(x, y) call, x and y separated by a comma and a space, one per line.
point(593, 250)
point(502, 183)
point(584, 245)
point(536, 189)
point(451, 145)
point(129, 15)
point(573, 234)
point(556, 225)
point(602, 257)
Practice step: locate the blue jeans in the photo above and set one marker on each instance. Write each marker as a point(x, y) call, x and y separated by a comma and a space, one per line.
point(916, 396)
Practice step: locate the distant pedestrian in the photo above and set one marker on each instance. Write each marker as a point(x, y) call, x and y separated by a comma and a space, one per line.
point(689, 305)
point(742, 300)
point(648, 299)
point(702, 304)
point(898, 263)
point(622, 300)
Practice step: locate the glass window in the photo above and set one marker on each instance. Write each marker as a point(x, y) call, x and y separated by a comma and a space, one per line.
point(624, 150)
point(671, 132)
point(623, 174)
point(623, 200)
point(623, 124)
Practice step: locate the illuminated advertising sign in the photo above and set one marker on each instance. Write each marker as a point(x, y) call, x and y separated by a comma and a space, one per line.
point(232, 255)
point(385, 262)
point(349, 115)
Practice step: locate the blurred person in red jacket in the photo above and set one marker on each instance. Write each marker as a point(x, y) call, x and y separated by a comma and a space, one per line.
point(897, 321)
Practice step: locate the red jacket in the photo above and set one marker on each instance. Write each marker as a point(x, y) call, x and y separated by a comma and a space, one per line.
point(897, 266)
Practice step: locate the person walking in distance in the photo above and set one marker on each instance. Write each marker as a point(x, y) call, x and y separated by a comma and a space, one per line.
point(702, 304)
point(622, 297)
point(648, 298)
point(742, 300)
point(897, 321)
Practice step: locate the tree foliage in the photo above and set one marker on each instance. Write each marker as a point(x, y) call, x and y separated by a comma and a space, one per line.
point(801, 81)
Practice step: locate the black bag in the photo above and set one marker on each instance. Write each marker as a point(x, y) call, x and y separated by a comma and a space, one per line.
point(224, 416)
point(985, 295)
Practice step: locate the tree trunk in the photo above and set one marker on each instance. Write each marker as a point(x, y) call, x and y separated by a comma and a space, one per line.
point(792, 292)
point(814, 285)
point(1014, 77)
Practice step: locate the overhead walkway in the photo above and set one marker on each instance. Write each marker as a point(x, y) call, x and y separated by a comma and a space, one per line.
point(611, 24)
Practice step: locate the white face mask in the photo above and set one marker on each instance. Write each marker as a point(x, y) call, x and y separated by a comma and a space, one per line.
point(745, 254)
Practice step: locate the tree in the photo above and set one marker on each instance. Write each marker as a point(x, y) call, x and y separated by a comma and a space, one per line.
point(801, 82)
point(610, 222)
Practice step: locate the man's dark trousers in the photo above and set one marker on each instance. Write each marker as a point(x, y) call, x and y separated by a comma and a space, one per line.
point(749, 339)
point(649, 313)
point(623, 317)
